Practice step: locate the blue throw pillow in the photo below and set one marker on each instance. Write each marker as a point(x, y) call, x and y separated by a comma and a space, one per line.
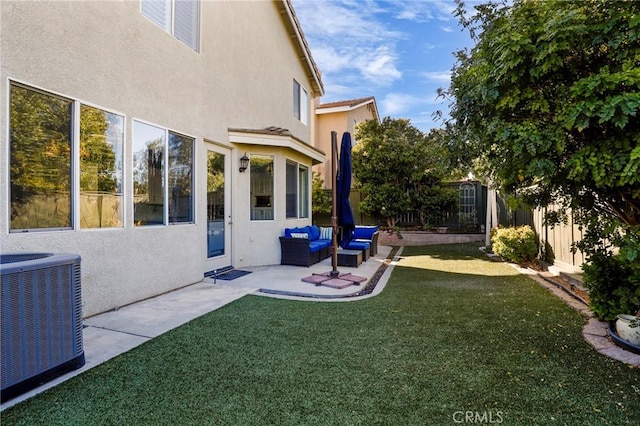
point(315, 232)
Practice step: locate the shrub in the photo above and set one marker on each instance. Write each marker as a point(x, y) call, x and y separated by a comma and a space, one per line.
point(517, 244)
point(614, 285)
point(320, 198)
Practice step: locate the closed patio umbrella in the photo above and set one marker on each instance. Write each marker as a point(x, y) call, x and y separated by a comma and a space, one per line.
point(343, 185)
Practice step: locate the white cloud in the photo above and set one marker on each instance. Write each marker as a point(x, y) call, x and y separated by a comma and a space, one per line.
point(379, 66)
point(437, 76)
point(346, 38)
point(331, 60)
point(447, 29)
point(346, 21)
point(394, 104)
point(422, 11)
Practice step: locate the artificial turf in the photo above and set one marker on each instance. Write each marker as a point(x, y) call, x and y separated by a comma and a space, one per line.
point(454, 338)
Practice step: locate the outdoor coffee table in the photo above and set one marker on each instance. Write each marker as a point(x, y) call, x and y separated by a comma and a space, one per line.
point(351, 258)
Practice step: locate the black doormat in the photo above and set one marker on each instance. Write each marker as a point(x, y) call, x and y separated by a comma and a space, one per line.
point(228, 275)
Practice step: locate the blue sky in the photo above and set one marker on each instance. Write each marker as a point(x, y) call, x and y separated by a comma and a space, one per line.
point(398, 51)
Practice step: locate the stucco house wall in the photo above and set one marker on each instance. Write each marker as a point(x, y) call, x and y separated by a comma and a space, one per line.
point(107, 54)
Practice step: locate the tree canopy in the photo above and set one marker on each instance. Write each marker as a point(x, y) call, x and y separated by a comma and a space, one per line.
point(399, 169)
point(548, 100)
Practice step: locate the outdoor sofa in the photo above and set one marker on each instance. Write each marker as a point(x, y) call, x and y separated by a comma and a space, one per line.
point(304, 246)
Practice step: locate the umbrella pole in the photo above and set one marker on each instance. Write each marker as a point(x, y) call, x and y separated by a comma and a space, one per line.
point(334, 205)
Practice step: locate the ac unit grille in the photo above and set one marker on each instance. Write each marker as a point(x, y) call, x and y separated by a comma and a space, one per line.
point(41, 319)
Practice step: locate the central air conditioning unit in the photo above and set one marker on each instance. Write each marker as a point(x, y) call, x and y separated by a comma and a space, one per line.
point(41, 319)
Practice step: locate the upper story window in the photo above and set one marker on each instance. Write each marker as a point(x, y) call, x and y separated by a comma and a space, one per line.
point(181, 18)
point(300, 103)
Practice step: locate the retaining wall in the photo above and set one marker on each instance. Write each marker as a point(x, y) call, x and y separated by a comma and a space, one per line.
point(418, 238)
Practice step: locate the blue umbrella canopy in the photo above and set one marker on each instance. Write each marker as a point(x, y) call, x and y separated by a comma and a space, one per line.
point(343, 186)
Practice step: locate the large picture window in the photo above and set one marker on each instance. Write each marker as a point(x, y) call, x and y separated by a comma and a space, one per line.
point(261, 170)
point(67, 157)
point(297, 182)
point(101, 168)
point(181, 18)
point(40, 142)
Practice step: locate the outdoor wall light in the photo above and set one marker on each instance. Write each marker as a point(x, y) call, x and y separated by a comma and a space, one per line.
point(244, 162)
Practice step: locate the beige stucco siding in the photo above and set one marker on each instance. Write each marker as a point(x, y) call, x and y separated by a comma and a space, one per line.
point(343, 120)
point(327, 123)
point(108, 55)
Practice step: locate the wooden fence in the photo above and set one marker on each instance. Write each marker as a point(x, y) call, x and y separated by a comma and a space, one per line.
point(555, 242)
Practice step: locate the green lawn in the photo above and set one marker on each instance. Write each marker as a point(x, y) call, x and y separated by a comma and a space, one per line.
point(452, 335)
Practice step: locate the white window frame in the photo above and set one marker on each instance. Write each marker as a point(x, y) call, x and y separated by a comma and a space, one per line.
point(75, 190)
point(300, 103)
point(467, 208)
point(302, 188)
point(262, 189)
point(166, 190)
point(170, 16)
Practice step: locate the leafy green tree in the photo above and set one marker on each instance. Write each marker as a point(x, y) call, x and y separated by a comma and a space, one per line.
point(396, 166)
point(549, 97)
point(548, 100)
point(320, 198)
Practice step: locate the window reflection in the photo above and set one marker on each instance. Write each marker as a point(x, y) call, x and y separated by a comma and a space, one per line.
point(303, 182)
point(292, 190)
point(101, 151)
point(148, 174)
point(215, 204)
point(261, 169)
point(180, 178)
point(40, 158)
point(297, 181)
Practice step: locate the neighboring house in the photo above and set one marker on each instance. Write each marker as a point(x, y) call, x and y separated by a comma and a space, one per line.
point(124, 126)
point(342, 116)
